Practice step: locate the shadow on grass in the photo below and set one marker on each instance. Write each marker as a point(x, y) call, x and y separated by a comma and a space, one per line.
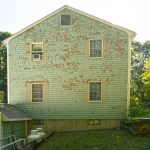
point(95, 140)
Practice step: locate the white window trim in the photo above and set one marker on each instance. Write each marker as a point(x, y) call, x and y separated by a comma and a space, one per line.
point(31, 51)
point(90, 49)
point(43, 91)
point(71, 23)
point(96, 101)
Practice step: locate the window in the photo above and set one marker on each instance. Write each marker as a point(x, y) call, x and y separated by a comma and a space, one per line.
point(37, 51)
point(37, 122)
point(93, 122)
point(95, 48)
point(37, 92)
point(66, 19)
point(95, 91)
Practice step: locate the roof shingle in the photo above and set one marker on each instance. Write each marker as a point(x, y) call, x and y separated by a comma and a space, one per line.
point(12, 112)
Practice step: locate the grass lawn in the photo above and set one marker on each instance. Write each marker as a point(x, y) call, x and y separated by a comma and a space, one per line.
point(95, 140)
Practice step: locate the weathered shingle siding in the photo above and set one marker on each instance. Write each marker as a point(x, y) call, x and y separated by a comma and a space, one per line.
point(68, 68)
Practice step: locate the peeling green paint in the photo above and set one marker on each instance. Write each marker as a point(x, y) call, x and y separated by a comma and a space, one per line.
point(68, 68)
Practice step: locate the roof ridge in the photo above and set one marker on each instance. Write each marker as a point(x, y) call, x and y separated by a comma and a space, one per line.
point(130, 33)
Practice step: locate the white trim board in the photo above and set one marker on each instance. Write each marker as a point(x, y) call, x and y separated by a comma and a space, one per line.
point(129, 32)
point(8, 76)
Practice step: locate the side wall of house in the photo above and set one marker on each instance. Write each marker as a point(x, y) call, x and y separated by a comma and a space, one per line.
point(65, 125)
point(67, 68)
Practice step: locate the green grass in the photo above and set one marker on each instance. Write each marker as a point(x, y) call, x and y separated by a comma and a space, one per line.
point(95, 140)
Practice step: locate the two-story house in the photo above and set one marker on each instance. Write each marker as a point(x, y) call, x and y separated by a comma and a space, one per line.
point(70, 71)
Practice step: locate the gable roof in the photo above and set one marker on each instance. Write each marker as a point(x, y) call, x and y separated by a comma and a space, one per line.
point(11, 113)
point(130, 33)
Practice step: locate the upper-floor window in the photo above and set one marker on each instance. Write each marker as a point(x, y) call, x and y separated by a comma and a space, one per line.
point(96, 47)
point(37, 51)
point(94, 91)
point(37, 92)
point(66, 19)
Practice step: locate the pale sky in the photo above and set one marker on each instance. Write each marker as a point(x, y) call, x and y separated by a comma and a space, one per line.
point(131, 14)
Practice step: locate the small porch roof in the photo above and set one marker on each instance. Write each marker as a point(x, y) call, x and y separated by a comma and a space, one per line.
point(12, 113)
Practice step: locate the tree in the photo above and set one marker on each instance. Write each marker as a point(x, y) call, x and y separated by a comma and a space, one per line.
point(140, 54)
point(146, 79)
point(3, 63)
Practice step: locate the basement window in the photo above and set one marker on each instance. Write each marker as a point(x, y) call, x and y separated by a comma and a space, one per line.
point(94, 91)
point(66, 19)
point(37, 122)
point(96, 48)
point(37, 92)
point(37, 51)
point(93, 122)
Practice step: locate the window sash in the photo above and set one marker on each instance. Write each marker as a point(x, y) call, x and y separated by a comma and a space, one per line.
point(37, 92)
point(95, 91)
point(95, 48)
point(66, 19)
point(95, 44)
point(95, 53)
point(37, 49)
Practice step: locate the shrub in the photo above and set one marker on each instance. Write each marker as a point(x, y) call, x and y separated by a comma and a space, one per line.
point(139, 111)
point(138, 126)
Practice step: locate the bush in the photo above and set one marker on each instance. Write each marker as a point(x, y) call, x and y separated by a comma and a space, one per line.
point(138, 126)
point(139, 110)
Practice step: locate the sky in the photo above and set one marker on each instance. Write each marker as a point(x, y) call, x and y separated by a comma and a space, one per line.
point(132, 14)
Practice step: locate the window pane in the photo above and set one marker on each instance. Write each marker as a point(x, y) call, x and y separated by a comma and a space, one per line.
point(95, 53)
point(36, 47)
point(91, 96)
point(65, 19)
point(40, 95)
point(37, 87)
point(95, 44)
point(34, 95)
point(95, 91)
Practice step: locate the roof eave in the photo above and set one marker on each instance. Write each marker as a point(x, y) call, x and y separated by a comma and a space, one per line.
point(6, 41)
point(18, 119)
point(5, 118)
point(132, 34)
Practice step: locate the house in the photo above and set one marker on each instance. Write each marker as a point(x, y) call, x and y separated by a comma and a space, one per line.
point(70, 71)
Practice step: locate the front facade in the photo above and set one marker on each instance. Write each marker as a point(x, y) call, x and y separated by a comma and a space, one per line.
point(70, 68)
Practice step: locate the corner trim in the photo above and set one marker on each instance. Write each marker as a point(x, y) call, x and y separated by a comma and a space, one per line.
point(8, 76)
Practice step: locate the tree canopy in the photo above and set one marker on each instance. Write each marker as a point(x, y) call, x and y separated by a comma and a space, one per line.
point(3, 63)
point(140, 56)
